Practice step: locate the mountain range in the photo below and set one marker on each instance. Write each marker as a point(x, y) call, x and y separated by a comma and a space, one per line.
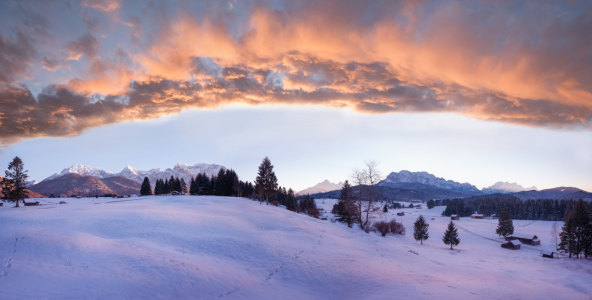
point(406, 186)
point(84, 180)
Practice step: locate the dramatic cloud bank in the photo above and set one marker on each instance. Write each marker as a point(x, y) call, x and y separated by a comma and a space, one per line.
point(524, 63)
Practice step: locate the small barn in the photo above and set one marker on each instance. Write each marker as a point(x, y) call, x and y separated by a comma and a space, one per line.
point(525, 239)
point(324, 217)
point(549, 254)
point(477, 216)
point(513, 245)
point(30, 202)
point(401, 213)
point(455, 217)
point(175, 193)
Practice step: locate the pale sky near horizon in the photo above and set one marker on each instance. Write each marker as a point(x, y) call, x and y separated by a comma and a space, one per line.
point(471, 91)
point(310, 144)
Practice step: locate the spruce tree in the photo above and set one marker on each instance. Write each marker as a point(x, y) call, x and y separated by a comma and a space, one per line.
point(385, 209)
point(505, 226)
point(146, 189)
point(346, 209)
point(13, 184)
point(266, 181)
point(420, 229)
point(451, 235)
point(581, 219)
point(166, 188)
point(568, 236)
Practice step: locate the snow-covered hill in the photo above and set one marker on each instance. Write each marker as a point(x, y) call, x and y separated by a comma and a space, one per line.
point(405, 176)
point(507, 187)
point(179, 170)
point(204, 247)
point(322, 187)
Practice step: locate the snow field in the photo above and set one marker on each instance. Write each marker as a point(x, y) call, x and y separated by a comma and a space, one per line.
point(205, 247)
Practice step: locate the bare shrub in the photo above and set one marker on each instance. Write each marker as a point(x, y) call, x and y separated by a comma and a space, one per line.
point(313, 212)
point(396, 227)
point(275, 203)
point(382, 227)
point(298, 209)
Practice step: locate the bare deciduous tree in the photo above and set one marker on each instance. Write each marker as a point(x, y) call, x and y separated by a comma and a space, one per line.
point(555, 235)
point(366, 179)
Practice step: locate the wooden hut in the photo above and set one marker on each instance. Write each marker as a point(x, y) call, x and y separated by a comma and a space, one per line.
point(513, 245)
point(477, 216)
point(30, 202)
point(549, 254)
point(175, 193)
point(525, 239)
point(455, 217)
point(401, 213)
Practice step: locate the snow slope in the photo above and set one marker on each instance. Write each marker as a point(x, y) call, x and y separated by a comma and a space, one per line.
point(205, 247)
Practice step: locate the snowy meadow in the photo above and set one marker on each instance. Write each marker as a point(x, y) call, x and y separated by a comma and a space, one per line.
point(207, 247)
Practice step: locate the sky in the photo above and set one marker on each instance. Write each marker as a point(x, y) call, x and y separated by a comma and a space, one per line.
point(472, 91)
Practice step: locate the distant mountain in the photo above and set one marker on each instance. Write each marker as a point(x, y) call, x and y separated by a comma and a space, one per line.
point(74, 184)
point(507, 187)
point(395, 178)
point(179, 170)
point(406, 192)
point(557, 193)
point(322, 187)
point(122, 186)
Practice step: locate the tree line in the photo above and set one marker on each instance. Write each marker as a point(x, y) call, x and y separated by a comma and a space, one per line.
point(226, 183)
point(541, 209)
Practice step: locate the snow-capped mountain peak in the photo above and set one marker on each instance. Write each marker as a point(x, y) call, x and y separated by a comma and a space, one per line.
point(179, 170)
point(507, 187)
point(405, 176)
point(325, 186)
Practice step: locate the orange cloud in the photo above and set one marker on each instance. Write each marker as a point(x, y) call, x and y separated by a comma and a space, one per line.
point(413, 56)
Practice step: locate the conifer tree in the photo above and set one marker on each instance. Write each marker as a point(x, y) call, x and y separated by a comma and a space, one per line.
point(266, 181)
point(291, 201)
point(145, 189)
point(420, 229)
point(13, 184)
point(431, 204)
point(385, 209)
point(166, 188)
point(183, 186)
point(451, 236)
point(505, 226)
point(346, 209)
point(568, 236)
point(581, 219)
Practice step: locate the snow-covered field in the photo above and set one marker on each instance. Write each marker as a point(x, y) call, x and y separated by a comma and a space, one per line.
point(191, 247)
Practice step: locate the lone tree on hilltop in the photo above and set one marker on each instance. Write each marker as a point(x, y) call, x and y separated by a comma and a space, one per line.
point(266, 181)
point(505, 226)
point(13, 184)
point(145, 189)
point(420, 229)
point(451, 235)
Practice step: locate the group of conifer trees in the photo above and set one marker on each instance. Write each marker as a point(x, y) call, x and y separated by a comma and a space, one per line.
point(167, 186)
point(547, 209)
point(576, 235)
point(226, 183)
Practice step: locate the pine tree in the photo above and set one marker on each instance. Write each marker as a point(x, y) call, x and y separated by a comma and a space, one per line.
point(166, 188)
point(581, 219)
point(505, 226)
point(266, 181)
point(568, 236)
point(385, 209)
point(451, 235)
point(13, 184)
point(431, 204)
point(420, 229)
point(346, 209)
point(183, 186)
point(146, 189)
